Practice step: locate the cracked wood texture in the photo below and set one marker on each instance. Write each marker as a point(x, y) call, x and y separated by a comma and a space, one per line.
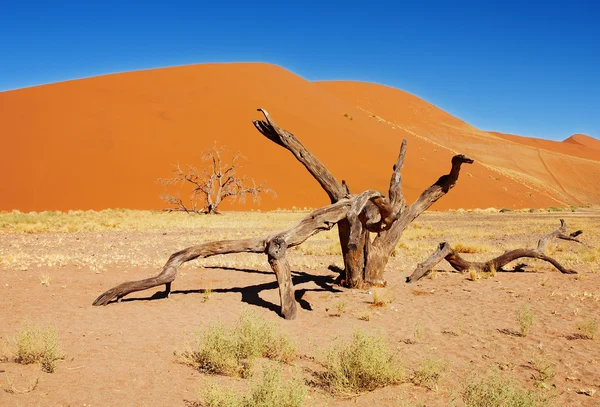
point(445, 252)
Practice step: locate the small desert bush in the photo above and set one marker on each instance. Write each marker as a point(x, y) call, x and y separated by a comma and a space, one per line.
point(429, 372)
point(217, 350)
point(363, 364)
point(38, 344)
point(525, 319)
point(494, 391)
point(544, 371)
point(588, 328)
point(272, 391)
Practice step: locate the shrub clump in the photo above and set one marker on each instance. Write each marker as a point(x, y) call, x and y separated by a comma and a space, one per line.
point(231, 352)
point(38, 344)
point(429, 373)
point(526, 320)
point(494, 391)
point(363, 364)
point(272, 391)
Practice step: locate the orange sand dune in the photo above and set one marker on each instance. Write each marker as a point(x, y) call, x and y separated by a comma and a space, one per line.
point(550, 171)
point(102, 142)
point(583, 140)
point(568, 147)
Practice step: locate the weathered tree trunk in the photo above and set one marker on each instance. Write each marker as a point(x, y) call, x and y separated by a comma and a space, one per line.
point(356, 216)
point(445, 252)
point(364, 261)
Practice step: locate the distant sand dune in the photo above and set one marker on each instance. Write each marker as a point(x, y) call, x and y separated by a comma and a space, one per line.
point(102, 142)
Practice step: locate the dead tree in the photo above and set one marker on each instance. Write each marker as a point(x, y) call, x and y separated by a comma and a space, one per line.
point(210, 187)
point(355, 215)
point(445, 252)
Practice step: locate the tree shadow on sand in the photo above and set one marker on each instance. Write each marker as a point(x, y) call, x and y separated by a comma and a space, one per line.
point(251, 293)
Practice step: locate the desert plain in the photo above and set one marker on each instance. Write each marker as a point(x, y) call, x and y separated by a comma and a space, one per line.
point(53, 265)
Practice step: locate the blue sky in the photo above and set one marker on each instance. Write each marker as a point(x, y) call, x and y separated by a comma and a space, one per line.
point(530, 68)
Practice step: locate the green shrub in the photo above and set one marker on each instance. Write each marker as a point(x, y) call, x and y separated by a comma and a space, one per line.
point(272, 391)
point(363, 364)
point(494, 391)
point(217, 350)
point(38, 344)
point(526, 320)
point(429, 373)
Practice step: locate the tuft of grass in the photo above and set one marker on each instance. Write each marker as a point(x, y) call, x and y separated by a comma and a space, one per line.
point(38, 344)
point(544, 371)
point(473, 275)
point(206, 294)
point(271, 391)
point(463, 248)
point(429, 372)
point(217, 350)
point(365, 316)
point(340, 308)
point(495, 391)
point(364, 364)
point(525, 319)
point(588, 328)
point(382, 297)
point(45, 279)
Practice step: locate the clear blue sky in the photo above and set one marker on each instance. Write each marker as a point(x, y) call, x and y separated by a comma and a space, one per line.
point(527, 67)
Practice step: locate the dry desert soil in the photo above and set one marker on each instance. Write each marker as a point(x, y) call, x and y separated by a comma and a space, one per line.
point(53, 265)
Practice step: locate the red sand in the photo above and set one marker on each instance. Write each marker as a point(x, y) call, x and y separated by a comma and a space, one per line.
point(102, 142)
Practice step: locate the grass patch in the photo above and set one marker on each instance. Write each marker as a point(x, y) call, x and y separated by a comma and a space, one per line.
point(38, 344)
point(382, 297)
point(217, 350)
point(494, 391)
point(588, 328)
point(525, 319)
point(271, 391)
point(544, 371)
point(463, 248)
point(364, 364)
point(429, 372)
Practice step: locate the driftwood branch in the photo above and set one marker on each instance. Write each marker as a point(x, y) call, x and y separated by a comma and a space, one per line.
point(445, 252)
point(274, 245)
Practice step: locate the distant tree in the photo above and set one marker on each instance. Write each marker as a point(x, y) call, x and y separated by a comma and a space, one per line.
point(212, 185)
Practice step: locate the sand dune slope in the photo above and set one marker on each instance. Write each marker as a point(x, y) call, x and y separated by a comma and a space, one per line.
point(565, 172)
point(583, 140)
point(102, 142)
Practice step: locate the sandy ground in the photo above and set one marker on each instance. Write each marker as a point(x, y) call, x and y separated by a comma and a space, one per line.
point(122, 354)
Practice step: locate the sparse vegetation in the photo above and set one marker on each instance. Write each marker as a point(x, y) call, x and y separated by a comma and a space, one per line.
point(495, 391)
point(38, 344)
point(382, 297)
point(525, 319)
point(363, 364)
point(544, 371)
point(463, 248)
point(588, 328)
point(271, 391)
point(429, 372)
point(217, 350)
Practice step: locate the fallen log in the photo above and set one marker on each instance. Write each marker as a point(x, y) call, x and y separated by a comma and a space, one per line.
point(445, 252)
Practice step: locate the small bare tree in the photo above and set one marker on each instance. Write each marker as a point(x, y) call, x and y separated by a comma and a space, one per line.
point(212, 185)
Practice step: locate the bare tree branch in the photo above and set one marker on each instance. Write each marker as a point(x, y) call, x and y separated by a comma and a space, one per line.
point(445, 252)
point(212, 187)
